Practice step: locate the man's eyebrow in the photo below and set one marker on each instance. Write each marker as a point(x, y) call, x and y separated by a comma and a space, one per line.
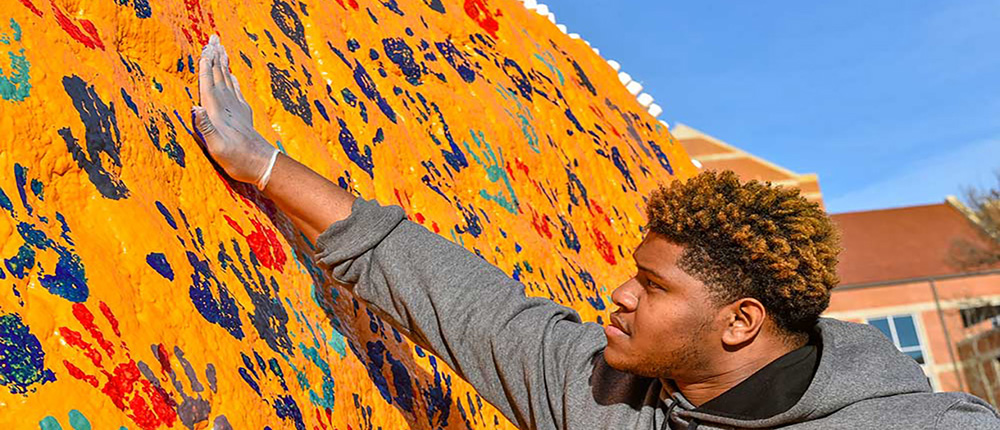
point(650, 270)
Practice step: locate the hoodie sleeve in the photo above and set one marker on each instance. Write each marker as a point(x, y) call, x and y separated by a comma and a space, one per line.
point(520, 353)
point(969, 413)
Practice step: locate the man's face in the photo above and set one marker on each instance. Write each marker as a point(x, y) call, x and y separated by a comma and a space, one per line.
point(665, 325)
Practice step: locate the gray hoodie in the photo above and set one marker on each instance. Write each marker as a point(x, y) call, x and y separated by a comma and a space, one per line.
point(543, 368)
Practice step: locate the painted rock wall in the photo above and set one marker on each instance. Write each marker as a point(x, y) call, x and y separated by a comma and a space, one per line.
point(141, 289)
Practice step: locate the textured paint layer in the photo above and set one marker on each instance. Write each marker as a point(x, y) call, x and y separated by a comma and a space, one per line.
point(142, 289)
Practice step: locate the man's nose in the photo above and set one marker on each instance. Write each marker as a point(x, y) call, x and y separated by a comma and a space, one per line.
point(625, 295)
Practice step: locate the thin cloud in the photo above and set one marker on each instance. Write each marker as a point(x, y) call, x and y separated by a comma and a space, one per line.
point(940, 175)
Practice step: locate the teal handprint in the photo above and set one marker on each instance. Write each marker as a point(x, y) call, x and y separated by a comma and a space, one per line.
point(494, 165)
point(15, 86)
point(76, 421)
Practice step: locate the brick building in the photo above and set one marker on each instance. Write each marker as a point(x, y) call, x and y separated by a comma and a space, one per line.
point(898, 272)
point(710, 153)
point(980, 358)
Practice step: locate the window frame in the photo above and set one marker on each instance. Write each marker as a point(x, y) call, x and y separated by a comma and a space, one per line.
point(894, 336)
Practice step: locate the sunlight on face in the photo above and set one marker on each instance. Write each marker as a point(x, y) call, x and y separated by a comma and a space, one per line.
point(664, 324)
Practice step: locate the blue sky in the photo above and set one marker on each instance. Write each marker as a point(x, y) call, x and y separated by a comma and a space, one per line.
point(892, 102)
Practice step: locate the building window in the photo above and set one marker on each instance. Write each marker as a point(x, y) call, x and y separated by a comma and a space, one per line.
point(902, 330)
point(972, 316)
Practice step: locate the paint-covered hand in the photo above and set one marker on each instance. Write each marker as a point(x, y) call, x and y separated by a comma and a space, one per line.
point(225, 120)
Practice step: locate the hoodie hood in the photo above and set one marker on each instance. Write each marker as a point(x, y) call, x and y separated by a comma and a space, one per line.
point(857, 362)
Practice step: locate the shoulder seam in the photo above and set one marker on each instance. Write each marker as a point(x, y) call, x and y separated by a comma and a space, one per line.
point(937, 422)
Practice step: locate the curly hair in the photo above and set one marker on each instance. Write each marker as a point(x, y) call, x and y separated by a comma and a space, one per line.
point(751, 240)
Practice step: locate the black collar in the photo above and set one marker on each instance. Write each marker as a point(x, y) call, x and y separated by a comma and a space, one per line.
point(771, 390)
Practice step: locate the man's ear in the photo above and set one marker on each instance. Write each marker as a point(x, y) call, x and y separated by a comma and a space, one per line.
point(744, 320)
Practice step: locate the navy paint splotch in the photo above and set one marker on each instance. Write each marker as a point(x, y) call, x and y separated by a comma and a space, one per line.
point(350, 145)
point(101, 137)
point(288, 22)
point(23, 365)
point(575, 186)
point(402, 56)
point(167, 143)
point(616, 158)
point(435, 5)
point(21, 179)
point(221, 310)
point(437, 397)
point(68, 280)
point(364, 80)
point(284, 405)
point(159, 263)
point(473, 225)
point(661, 157)
point(288, 91)
point(516, 75)
point(269, 316)
point(142, 9)
point(457, 61)
point(393, 7)
point(572, 118)
point(583, 79)
point(377, 355)
point(570, 238)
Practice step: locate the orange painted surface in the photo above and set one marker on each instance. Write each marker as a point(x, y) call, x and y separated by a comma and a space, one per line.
point(140, 289)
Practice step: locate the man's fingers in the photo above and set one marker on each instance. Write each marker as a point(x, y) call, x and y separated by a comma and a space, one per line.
point(202, 124)
point(218, 73)
point(236, 86)
point(224, 64)
point(205, 80)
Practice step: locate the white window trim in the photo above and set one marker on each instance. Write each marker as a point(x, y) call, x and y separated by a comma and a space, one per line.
point(917, 327)
point(930, 366)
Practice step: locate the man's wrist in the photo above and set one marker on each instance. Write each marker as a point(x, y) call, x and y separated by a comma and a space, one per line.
point(269, 168)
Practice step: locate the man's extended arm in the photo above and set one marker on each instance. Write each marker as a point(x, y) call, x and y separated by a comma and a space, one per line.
point(310, 200)
point(521, 354)
point(527, 356)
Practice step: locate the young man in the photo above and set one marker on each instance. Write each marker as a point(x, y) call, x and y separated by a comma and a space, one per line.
point(718, 329)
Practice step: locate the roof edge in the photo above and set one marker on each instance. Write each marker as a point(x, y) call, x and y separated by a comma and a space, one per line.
point(682, 131)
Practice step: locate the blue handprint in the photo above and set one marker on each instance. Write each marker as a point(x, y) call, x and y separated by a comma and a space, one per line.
point(255, 370)
point(67, 279)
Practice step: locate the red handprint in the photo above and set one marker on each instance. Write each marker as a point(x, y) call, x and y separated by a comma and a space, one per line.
point(148, 407)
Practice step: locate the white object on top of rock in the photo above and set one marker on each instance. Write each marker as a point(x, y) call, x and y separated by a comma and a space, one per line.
point(645, 100)
point(634, 88)
point(655, 110)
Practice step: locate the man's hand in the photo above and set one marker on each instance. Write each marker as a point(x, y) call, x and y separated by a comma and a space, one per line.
point(225, 120)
